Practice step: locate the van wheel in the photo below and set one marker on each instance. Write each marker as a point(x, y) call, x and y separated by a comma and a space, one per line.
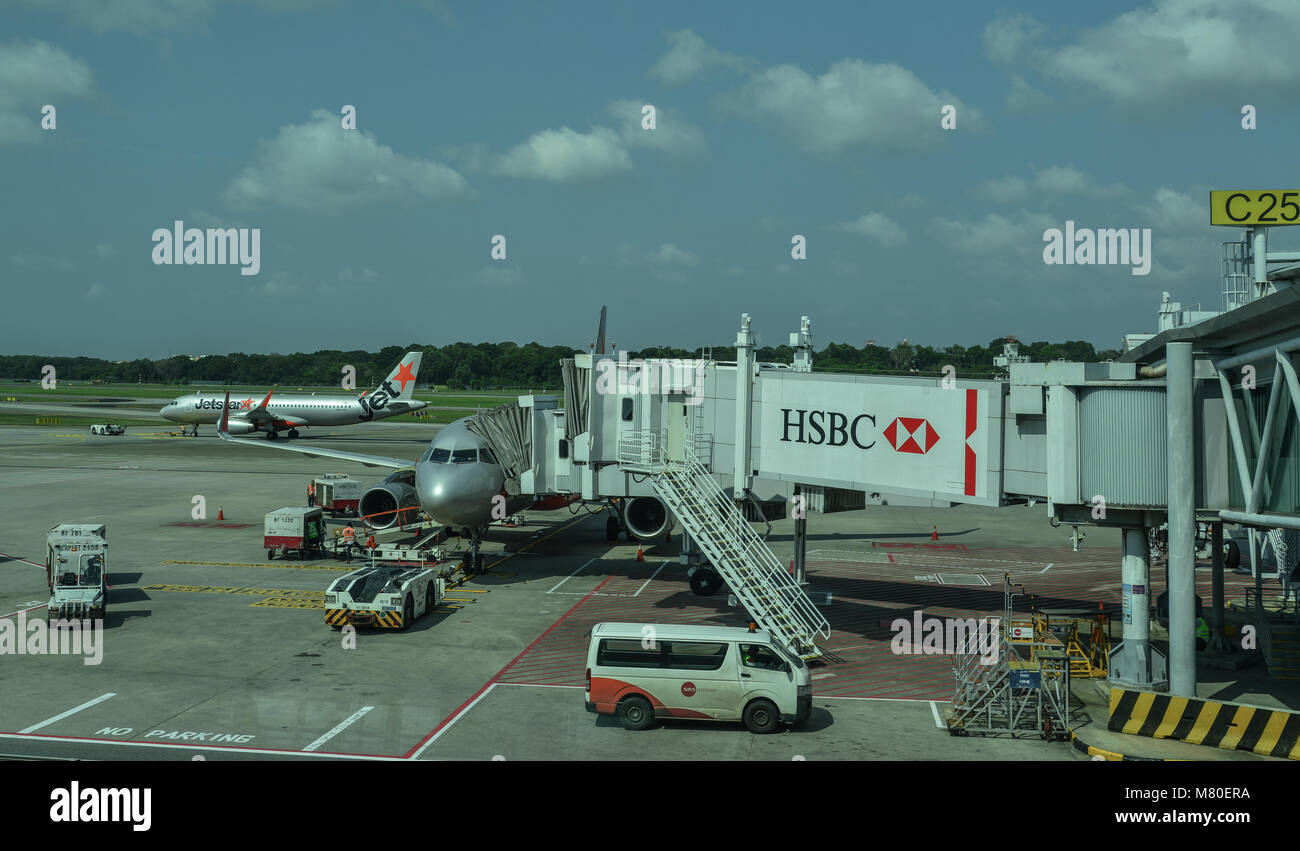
point(408, 613)
point(635, 713)
point(761, 716)
point(429, 600)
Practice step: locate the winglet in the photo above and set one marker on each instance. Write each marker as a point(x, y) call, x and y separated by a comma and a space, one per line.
point(264, 401)
point(222, 427)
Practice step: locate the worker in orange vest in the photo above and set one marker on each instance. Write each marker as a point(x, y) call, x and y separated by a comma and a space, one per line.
point(349, 541)
point(370, 542)
point(311, 493)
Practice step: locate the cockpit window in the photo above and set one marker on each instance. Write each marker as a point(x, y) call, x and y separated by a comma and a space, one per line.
point(464, 456)
point(485, 455)
point(439, 456)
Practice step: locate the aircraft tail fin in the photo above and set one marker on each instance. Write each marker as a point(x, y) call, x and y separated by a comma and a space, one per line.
point(600, 333)
point(400, 383)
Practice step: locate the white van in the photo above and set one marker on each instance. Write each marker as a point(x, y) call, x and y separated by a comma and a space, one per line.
point(641, 672)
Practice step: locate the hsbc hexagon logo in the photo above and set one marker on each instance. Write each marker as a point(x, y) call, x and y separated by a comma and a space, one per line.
point(911, 434)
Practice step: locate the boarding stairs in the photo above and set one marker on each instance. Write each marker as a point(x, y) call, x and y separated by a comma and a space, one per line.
point(1008, 695)
point(761, 584)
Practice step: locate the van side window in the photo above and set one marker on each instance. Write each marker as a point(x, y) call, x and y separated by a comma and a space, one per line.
point(628, 653)
point(696, 655)
point(760, 656)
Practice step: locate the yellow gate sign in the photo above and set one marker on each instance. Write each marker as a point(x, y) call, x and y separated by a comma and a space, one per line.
point(1251, 207)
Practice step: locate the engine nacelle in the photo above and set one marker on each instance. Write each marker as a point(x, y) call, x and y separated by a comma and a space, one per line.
point(240, 427)
point(391, 503)
point(646, 517)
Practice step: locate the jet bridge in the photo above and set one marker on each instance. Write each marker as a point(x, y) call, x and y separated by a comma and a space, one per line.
point(1128, 445)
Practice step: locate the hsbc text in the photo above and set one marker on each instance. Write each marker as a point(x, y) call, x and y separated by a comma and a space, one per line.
point(829, 427)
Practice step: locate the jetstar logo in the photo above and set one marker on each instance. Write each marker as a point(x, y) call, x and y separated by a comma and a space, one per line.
point(215, 404)
point(911, 434)
point(404, 375)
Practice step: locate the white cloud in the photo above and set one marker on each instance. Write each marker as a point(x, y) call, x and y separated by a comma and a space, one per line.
point(1006, 39)
point(1024, 98)
point(566, 155)
point(320, 166)
point(689, 56)
point(278, 284)
point(996, 236)
point(672, 135)
point(95, 291)
point(39, 262)
point(1051, 182)
point(32, 74)
point(500, 275)
point(670, 255)
point(104, 251)
point(1171, 50)
point(364, 276)
point(878, 227)
point(142, 17)
point(854, 104)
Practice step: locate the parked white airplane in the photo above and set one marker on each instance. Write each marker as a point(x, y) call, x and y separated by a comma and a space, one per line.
point(296, 411)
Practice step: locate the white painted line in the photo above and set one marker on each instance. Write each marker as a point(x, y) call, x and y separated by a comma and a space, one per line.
point(72, 711)
point(937, 721)
point(460, 714)
point(339, 729)
point(535, 685)
point(295, 754)
point(1049, 567)
point(662, 565)
point(570, 576)
point(20, 611)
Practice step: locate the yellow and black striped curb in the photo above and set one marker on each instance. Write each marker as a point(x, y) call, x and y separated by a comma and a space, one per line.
point(1109, 756)
point(1232, 726)
point(387, 620)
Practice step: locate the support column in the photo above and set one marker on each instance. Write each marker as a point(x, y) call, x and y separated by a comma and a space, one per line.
point(744, 397)
point(1217, 639)
point(800, 537)
point(1179, 387)
point(1134, 661)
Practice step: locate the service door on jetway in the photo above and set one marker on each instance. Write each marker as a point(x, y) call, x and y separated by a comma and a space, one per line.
point(676, 411)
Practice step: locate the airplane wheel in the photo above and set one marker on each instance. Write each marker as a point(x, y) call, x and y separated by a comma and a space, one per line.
point(611, 529)
point(705, 582)
point(293, 432)
point(271, 435)
point(270, 555)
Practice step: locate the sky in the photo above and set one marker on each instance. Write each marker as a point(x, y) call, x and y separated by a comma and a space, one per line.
point(528, 121)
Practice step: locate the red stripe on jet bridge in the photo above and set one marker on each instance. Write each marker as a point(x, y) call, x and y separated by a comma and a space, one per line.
point(972, 419)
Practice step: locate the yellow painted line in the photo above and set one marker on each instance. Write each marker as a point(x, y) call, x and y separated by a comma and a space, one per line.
point(262, 564)
point(1238, 727)
point(1272, 730)
point(256, 592)
point(474, 590)
point(282, 603)
point(1139, 715)
point(460, 599)
point(1173, 716)
point(1209, 712)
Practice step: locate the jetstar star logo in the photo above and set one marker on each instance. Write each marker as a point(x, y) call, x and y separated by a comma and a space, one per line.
point(911, 434)
point(404, 375)
point(246, 405)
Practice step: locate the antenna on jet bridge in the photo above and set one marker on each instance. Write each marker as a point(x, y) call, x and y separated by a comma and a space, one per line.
point(600, 333)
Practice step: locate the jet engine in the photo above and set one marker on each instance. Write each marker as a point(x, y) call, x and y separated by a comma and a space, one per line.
point(646, 517)
point(394, 501)
point(240, 427)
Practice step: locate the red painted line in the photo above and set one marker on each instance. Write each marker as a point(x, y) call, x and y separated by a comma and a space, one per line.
point(20, 611)
point(498, 674)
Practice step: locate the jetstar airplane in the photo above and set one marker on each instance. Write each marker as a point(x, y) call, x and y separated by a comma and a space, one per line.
point(457, 481)
point(291, 412)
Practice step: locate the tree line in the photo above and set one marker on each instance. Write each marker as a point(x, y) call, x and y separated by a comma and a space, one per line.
point(509, 366)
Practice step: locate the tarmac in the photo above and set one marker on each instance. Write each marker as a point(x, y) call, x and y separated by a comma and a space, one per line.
point(210, 650)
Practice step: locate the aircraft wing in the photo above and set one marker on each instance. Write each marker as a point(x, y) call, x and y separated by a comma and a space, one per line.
point(368, 460)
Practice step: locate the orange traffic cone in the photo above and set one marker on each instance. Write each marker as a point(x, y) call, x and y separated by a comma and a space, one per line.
point(791, 570)
point(640, 554)
point(221, 515)
point(934, 536)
